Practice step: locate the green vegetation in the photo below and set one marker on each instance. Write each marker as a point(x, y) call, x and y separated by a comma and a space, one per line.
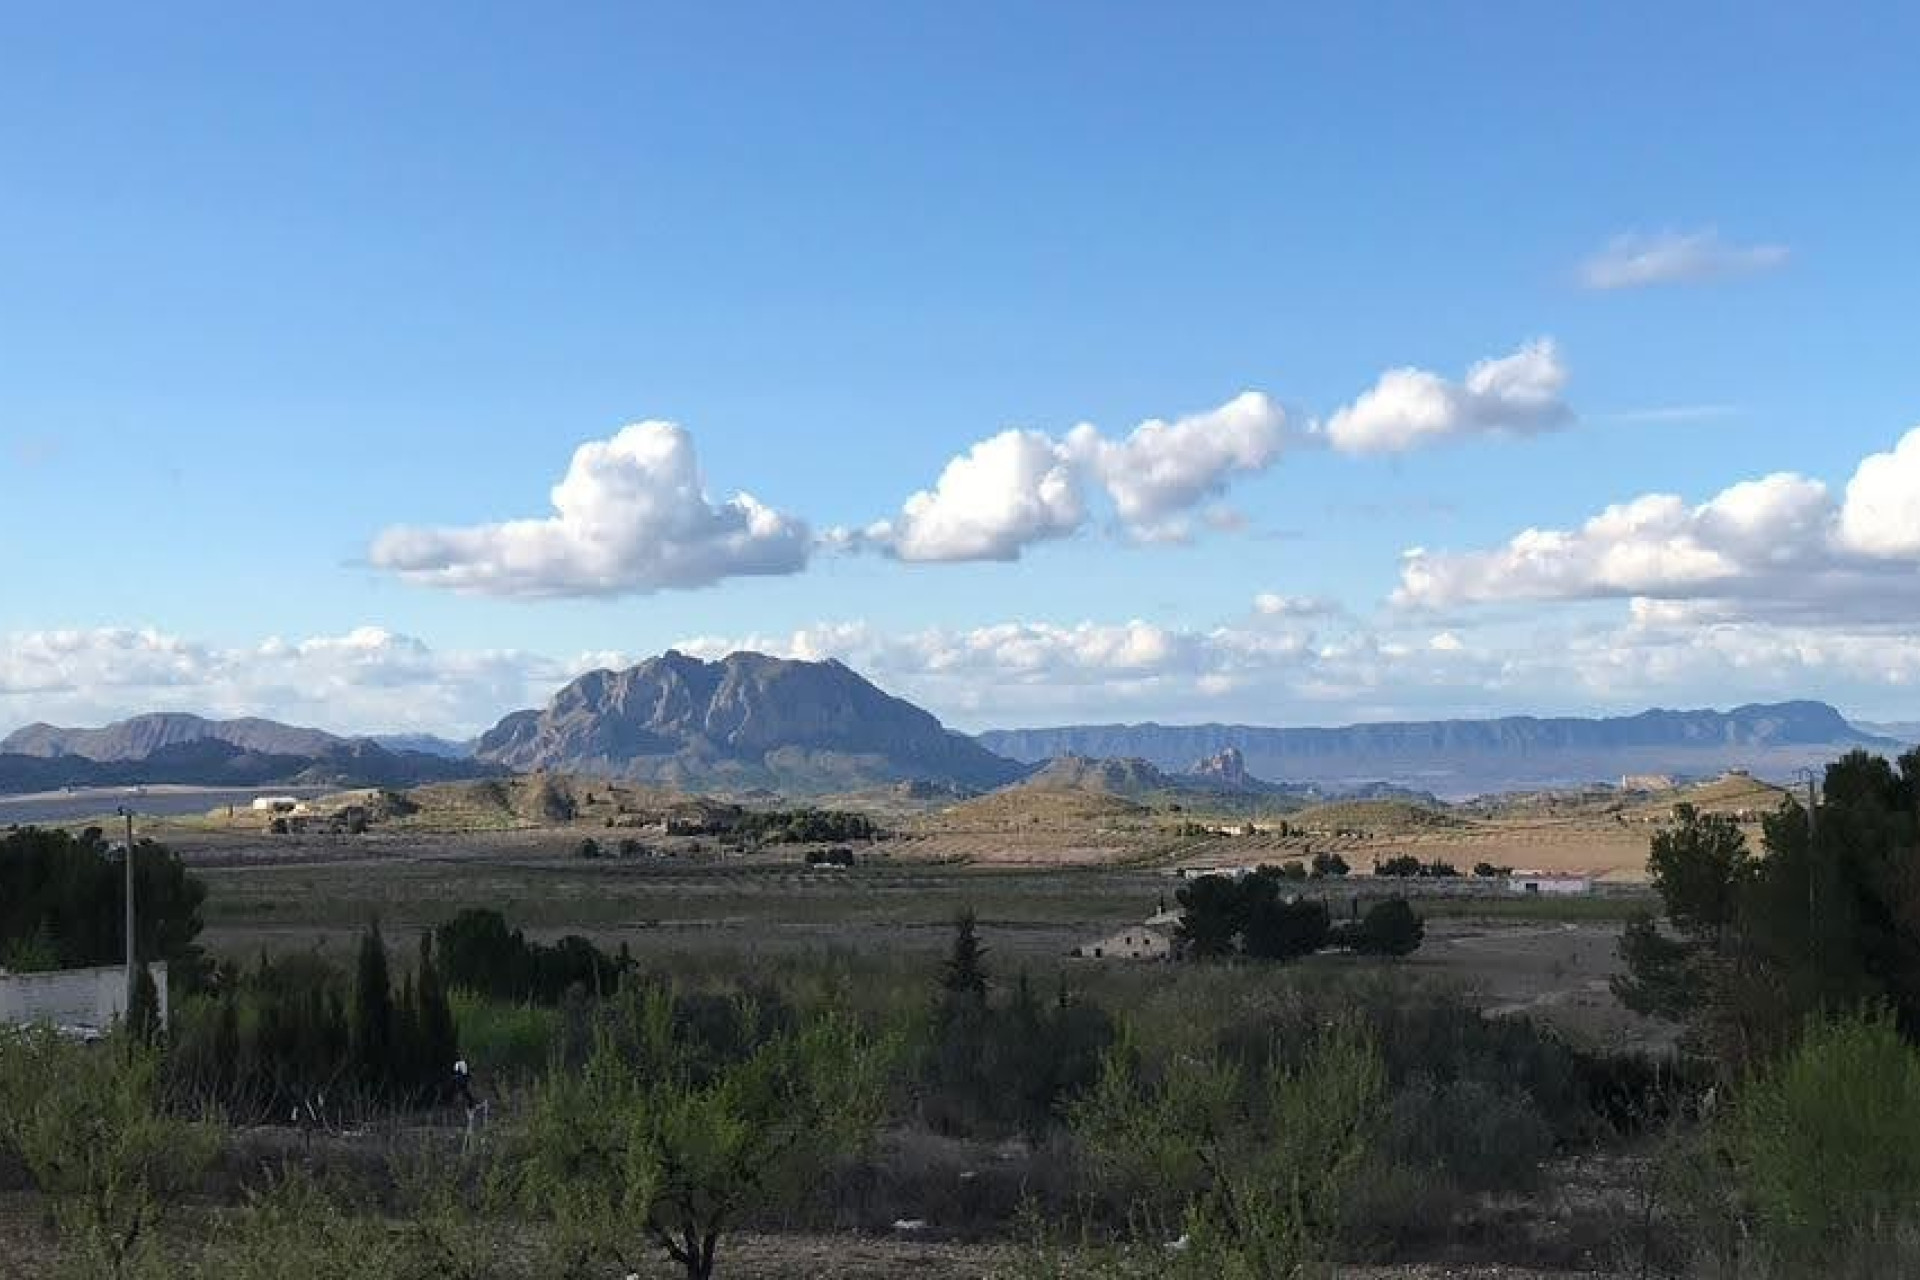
point(1794, 973)
point(807, 826)
point(659, 1144)
point(86, 1123)
point(1251, 916)
point(1826, 1144)
point(1246, 1168)
point(1826, 917)
point(294, 1037)
point(481, 955)
point(63, 901)
point(928, 1052)
point(1407, 866)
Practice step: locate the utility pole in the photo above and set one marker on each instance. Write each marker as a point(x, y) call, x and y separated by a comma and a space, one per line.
point(1813, 926)
point(132, 961)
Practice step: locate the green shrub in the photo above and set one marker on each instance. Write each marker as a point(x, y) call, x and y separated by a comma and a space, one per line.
point(1826, 1145)
point(1248, 1169)
point(503, 1040)
point(85, 1120)
point(1477, 1134)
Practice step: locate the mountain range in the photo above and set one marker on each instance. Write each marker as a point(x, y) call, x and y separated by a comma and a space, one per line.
point(1464, 757)
point(749, 722)
point(175, 747)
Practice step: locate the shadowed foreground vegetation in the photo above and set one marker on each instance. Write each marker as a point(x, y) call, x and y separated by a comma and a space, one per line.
point(1232, 1115)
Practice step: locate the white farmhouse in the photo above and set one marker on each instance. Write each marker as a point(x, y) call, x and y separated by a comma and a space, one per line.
point(1550, 882)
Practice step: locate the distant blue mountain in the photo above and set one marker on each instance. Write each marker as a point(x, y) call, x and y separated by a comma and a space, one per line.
point(426, 744)
point(1463, 757)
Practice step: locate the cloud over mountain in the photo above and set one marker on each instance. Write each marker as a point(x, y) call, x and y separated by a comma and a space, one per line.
point(366, 679)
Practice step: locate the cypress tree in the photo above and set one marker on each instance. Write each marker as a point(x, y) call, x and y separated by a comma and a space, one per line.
point(372, 1035)
point(438, 1038)
point(965, 974)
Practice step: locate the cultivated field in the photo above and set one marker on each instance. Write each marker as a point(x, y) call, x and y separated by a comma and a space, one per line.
point(1549, 958)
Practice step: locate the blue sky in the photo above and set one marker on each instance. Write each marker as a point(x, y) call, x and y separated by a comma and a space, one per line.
point(273, 286)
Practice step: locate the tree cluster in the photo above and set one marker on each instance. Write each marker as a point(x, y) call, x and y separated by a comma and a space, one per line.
point(480, 954)
point(294, 1035)
point(1825, 917)
point(838, 856)
point(1406, 866)
point(63, 898)
point(806, 826)
point(1002, 1065)
point(1251, 915)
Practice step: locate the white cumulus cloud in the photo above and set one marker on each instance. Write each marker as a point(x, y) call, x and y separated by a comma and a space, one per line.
point(1881, 515)
point(1517, 394)
point(631, 515)
point(1162, 470)
point(1018, 488)
point(1780, 546)
point(990, 503)
point(369, 679)
point(1635, 261)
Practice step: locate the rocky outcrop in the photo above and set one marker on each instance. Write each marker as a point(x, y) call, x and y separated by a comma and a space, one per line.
point(746, 720)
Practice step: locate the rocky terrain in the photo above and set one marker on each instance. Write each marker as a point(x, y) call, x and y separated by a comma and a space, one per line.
point(744, 721)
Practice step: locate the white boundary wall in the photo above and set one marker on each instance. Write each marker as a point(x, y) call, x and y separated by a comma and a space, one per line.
point(87, 999)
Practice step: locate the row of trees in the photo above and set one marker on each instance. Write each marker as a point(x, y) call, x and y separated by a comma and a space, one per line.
point(296, 1037)
point(1407, 866)
point(1252, 915)
point(63, 896)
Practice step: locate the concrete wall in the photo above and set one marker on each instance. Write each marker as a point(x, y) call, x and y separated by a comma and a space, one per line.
point(78, 998)
point(1550, 884)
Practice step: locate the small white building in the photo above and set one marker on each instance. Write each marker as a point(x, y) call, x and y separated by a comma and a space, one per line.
point(1136, 942)
point(275, 804)
point(1550, 882)
point(80, 1001)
